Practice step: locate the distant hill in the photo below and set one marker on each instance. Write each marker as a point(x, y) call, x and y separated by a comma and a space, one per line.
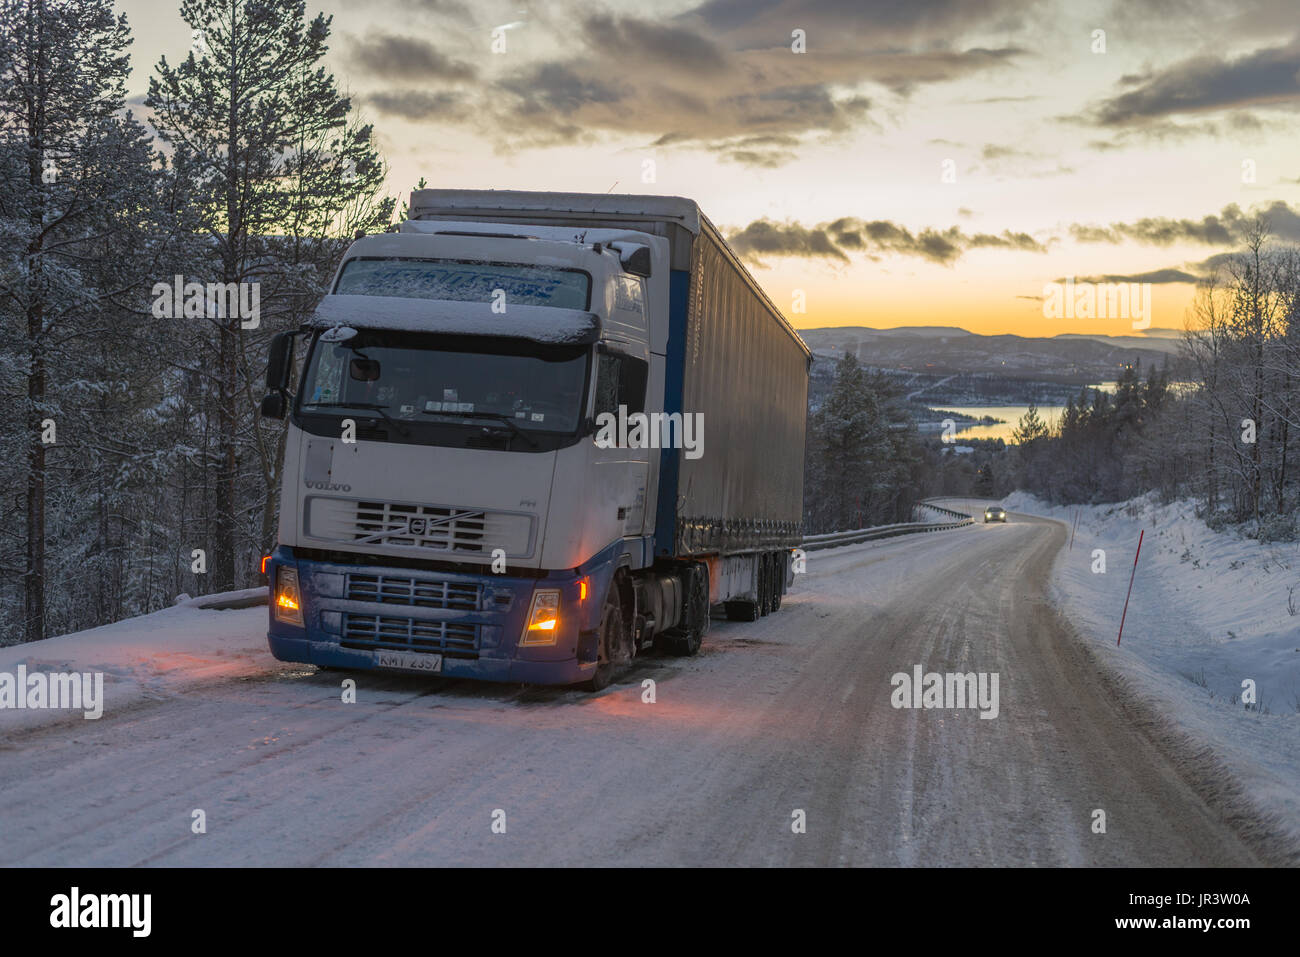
point(929, 332)
point(1165, 340)
point(939, 350)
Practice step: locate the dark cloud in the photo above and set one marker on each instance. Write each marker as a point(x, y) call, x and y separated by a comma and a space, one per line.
point(772, 159)
point(704, 78)
point(1225, 228)
point(1183, 23)
point(903, 72)
point(1157, 277)
point(994, 151)
point(451, 8)
point(1007, 240)
point(556, 88)
point(762, 152)
point(789, 239)
point(867, 25)
point(1216, 264)
point(404, 58)
point(554, 102)
point(1156, 231)
point(768, 141)
point(1237, 123)
point(672, 46)
point(418, 104)
point(1229, 227)
point(1207, 83)
point(835, 240)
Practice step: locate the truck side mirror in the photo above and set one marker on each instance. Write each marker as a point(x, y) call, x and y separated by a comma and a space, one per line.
point(620, 380)
point(273, 405)
point(279, 370)
point(279, 364)
point(634, 257)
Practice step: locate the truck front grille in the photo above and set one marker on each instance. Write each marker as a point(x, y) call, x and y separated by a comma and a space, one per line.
point(381, 632)
point(428, 528)
point(404, 590)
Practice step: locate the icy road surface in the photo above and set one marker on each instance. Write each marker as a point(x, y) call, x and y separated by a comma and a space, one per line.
point(790, 713)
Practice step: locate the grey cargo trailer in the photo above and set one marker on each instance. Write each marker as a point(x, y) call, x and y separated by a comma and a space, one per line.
point(730, 355)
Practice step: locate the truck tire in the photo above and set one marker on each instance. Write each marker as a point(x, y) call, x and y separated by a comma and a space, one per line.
point(686, 639)
point(778, 579)
point(610, 645)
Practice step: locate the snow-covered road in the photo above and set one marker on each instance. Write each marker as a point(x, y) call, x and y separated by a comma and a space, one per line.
point(791, 713)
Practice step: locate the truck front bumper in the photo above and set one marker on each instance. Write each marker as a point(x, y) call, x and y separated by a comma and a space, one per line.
point(353, 612)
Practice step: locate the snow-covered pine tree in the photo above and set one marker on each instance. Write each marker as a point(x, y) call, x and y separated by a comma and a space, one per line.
point(853, 470)
point(76, 171)
point(271, 164)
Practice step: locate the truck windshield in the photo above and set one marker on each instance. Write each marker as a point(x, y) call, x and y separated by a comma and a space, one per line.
point(466, 282)
point(423, 379)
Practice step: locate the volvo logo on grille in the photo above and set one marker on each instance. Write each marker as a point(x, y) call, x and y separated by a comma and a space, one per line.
point(415, 526)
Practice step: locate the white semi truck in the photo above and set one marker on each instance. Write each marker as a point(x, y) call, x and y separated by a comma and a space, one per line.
point(534, 435)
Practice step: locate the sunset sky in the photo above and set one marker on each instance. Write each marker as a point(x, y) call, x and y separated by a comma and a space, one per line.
point(826, 168)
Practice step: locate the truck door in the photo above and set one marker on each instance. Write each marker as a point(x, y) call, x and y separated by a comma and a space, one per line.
point(621, 468)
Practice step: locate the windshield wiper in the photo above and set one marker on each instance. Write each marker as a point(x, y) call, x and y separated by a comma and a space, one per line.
point(374, 406)
point(498, 416)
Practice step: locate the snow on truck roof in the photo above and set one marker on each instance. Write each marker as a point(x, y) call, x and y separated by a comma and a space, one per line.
point(437, 202)
point(538, 323)
point(663, 215)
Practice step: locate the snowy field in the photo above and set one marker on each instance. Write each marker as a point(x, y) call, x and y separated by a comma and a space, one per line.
point(1209, 611)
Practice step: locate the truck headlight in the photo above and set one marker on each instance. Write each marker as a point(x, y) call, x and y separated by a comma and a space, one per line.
point(543, 618)
point(287, 597)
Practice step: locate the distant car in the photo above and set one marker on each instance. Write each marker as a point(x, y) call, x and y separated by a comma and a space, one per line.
point(995, 513)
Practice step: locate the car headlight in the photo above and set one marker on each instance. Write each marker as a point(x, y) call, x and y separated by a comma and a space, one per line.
point(287, 598)
point(543, 618)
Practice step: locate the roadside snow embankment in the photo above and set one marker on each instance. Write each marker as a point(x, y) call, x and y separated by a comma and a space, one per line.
point(154, 656)
point(1211, 617)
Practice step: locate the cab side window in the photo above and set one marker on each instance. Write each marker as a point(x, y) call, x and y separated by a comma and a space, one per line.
point(620, 380)
point(607, 376)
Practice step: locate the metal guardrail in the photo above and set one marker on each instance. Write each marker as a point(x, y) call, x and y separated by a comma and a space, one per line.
point(926, 503)
point(812, 543)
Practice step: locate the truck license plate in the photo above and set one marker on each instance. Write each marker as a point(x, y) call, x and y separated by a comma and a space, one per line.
point(409, 661)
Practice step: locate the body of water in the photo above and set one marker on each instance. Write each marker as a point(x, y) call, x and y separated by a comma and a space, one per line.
point(1009, 415)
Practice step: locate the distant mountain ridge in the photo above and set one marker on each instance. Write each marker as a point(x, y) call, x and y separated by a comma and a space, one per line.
point(1069, 357)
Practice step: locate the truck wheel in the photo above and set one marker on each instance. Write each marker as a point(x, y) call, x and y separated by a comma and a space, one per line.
point(686, 640)
point(764, 584)
point(778, 579)
point(611, 646)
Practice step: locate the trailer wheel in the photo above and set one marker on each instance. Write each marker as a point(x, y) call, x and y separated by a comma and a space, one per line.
point(686, 639)
point(778, 579)
point(611, 646)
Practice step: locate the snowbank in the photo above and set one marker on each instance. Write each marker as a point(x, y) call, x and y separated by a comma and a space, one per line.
point(1209, 611)
point(153, 656)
